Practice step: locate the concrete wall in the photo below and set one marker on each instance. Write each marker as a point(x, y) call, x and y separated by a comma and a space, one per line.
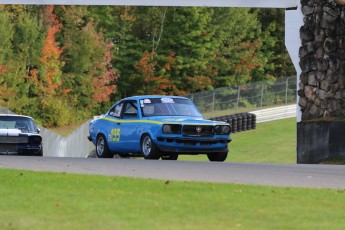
point(318, 141)
point(75, 145)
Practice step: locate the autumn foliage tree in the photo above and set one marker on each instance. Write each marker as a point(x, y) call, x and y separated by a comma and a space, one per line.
point(63, 64)
point(50, 61)
point(88, 68)
point(104, 85)
point(152, 76)
point(47, 78)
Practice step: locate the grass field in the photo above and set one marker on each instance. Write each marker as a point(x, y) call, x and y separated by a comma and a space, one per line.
point(55, 201)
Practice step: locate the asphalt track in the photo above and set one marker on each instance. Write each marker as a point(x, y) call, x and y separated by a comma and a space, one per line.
point(287, 175)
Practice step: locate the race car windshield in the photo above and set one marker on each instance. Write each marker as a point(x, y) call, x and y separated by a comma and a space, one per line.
point(168, 107)
point(13, 122)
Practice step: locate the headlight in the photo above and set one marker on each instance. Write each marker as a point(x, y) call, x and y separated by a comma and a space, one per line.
point(172, 129)
point(222, 129)
point(35, 140)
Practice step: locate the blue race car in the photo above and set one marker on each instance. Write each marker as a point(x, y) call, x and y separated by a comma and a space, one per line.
point(158, 127)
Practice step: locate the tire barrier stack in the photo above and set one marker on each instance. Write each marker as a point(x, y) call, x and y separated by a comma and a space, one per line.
point(239, 121)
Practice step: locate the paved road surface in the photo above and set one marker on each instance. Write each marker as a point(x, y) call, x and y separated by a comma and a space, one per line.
point(292, 175)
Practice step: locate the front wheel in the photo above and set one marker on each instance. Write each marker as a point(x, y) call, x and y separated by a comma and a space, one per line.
point(40, 153)
point(149, 149)
point(102, 149)
point(220, 157)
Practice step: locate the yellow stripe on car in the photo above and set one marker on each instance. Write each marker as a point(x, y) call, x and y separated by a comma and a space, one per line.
point(132, 121)
point(154, 122)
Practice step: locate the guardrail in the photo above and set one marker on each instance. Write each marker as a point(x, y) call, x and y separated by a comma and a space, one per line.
point(74, 145)
point(275, 113)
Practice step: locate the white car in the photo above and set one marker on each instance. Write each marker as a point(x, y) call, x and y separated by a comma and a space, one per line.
point(19, 135)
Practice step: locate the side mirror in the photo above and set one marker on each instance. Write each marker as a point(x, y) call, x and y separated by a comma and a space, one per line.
point(38, 130)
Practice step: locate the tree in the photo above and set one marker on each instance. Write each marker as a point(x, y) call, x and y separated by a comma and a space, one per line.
point(239, 46)
point(279, 63)
point(87, 56)
point(188, 36)
point(50, 61)
point(6, 36)
point(61, 63)
point(23, 46)
point(152, 77)
point(128, 48)
point(45, 78)
point(105, 84)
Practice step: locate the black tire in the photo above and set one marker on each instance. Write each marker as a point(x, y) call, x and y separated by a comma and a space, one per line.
point(172, 156)
point(220, 157)
point(40, 153)
point(32, 153)
point(148, 148)
point(102, 149)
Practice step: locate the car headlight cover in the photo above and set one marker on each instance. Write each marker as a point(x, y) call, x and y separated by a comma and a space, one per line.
point(171, 129)
point(35, 140)
point(222, 129)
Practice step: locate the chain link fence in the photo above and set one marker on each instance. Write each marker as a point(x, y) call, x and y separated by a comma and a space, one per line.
point(252, 96)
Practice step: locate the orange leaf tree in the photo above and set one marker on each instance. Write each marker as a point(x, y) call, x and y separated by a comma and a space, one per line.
point(152, 75)
point(47, 78)
point(104, 85)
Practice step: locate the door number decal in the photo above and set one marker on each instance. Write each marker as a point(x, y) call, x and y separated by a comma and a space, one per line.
point(115, 133)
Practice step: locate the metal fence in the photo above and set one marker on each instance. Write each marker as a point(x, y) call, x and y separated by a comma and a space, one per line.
point(255, 95)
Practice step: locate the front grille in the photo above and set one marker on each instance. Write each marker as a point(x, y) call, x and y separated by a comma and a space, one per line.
point(198, 130)
point(13, 140)
point(8, 148)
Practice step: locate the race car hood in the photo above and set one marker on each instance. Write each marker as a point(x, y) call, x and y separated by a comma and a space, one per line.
point(185, 120)
point(10, 132)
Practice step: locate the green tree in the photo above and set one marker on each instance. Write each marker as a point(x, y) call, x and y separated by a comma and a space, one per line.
point(24, 26)
point(279, 63)
point(127, 48)
point(188, 37)
point(6, 37)
point(238, 46)
point(84, 52)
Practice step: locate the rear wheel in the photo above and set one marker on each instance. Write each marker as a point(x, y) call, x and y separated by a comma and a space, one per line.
point(217, 156)
point(102, 149)
point(149, 149)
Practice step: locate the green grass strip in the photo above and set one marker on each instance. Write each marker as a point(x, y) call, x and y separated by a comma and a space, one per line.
point(54, 201)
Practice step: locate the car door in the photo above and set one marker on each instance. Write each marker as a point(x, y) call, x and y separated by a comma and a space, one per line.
point(128, 127)
point(112, 127)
